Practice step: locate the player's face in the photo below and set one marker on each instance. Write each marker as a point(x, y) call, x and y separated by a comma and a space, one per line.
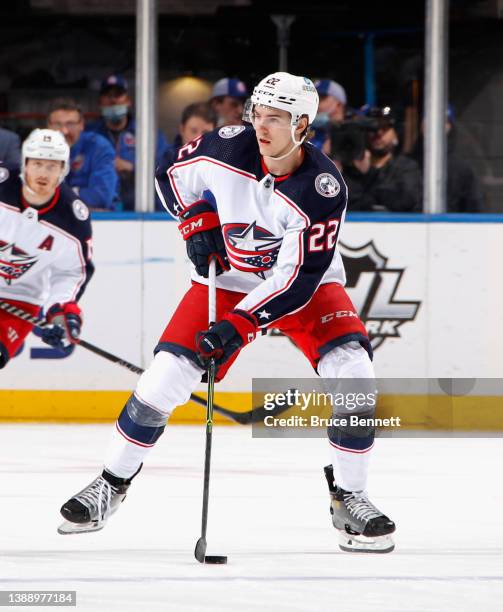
point(69, 122)
point(272, 129)
point(194, 127)
point(42, 176)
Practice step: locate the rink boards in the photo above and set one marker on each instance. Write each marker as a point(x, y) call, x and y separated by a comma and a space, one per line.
point(427, 287)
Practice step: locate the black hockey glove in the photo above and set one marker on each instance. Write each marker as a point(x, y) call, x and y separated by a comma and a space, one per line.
point(65, 326)
point(235, 330)
point(200, 228)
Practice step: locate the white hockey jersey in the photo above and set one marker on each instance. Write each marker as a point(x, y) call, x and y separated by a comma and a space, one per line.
point(280, 233)
point(45, 253)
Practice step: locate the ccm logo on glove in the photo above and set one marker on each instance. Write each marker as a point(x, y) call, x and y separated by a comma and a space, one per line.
point(200, 228)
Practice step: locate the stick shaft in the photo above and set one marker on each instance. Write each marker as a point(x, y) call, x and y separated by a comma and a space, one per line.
point(212, 298)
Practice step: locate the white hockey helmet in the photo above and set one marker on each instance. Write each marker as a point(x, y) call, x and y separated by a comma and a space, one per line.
point(46, 144)
point(294, 94)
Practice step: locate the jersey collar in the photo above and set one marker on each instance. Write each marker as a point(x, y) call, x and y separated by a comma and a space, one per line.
point(45, 207)
point(283, 177)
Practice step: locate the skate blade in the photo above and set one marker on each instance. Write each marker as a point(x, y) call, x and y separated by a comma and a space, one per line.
point(67, 528)
point(362, 544)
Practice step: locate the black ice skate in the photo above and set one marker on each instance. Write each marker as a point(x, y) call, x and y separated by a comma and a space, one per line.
point(90, 509)
point(361, 526)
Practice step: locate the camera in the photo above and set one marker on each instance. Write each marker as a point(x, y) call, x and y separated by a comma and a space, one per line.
point(349, 137)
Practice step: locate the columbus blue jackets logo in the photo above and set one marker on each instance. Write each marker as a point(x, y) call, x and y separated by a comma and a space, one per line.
point(14, 262)
point(327, 185)
point(229, 131)
point(251, 248)
point(372, 287)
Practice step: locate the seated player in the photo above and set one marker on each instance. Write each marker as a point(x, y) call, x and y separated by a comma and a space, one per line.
point(280, 206)
point(45, 244)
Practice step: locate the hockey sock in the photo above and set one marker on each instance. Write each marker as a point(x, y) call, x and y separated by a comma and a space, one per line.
point(136, 431)
point(350, 468)
point(167, 383)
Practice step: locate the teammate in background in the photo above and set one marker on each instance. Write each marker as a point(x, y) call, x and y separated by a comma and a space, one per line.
point(92, 174)
point(280, 206)
point(227, 99)
point(45, 244)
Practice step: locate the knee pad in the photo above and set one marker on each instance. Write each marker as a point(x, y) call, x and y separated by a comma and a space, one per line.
point(139, 423)
point(351, 381)
point(168, 382)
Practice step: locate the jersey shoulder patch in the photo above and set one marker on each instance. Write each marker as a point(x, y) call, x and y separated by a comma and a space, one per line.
point(80, 210)
point(4, 174)
point(71, 214)
point(327, 185)
point(318, 188)
point(229, 131)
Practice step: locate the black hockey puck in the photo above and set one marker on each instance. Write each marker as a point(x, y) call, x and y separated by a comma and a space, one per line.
point(215, 559)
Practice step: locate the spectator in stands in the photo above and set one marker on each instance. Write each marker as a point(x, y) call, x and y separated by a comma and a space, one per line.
point(197, 119)
point(118, 126)
point(227, 99)
point(464, 193)
point(333, 99)
point(331, 110)
point(92, 174)
point(10, 152)
point(379, 179)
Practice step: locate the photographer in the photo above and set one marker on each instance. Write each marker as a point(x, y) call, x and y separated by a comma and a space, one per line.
point(377, 179)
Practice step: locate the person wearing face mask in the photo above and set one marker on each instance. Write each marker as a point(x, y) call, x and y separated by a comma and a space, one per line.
point(118, 125)
point(332, 109)
point(380, 179)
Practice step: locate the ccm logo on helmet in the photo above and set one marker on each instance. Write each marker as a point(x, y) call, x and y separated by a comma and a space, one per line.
point(337, 315)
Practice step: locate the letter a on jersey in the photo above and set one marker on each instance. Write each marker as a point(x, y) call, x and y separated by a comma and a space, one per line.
point(46, 245)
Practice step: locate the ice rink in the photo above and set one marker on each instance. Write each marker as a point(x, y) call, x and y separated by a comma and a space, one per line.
point(268, 513)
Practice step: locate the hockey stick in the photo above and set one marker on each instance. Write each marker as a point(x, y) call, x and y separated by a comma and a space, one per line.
point(200, 550)
point(255, 415)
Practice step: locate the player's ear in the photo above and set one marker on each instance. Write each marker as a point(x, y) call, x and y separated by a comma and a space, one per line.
point(302, 125)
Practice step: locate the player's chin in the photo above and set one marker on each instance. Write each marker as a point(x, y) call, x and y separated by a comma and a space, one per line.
point(265, 148)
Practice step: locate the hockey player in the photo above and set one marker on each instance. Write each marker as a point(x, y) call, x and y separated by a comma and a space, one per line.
point(45, 244)
point(280, 206)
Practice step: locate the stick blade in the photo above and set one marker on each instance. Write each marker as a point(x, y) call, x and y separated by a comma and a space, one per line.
point(200, 550)
point(215, 559)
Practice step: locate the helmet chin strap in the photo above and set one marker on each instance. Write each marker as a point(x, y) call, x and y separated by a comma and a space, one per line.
point(25, 184)
point(296, 144)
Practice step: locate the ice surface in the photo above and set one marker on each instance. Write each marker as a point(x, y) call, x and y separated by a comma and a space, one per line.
point(268, 513)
